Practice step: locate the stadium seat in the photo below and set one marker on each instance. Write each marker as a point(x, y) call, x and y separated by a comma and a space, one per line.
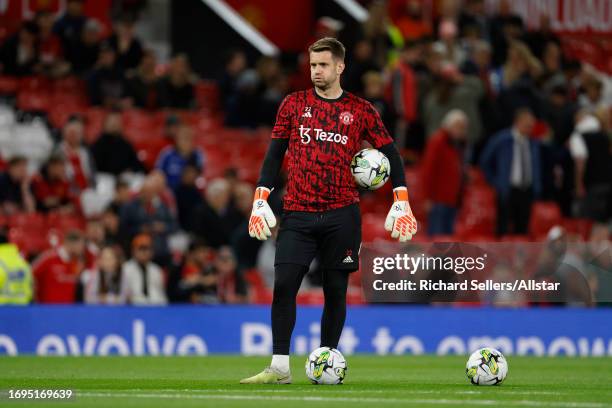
point(544, 216)
point(33, 100)
point(8, 85)
point(373, 228)
point(31, 239)
point(25, 219)
point(62, 222)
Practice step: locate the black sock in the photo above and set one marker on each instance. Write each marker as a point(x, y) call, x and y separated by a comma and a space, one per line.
point(287, 281)
point(335, 283)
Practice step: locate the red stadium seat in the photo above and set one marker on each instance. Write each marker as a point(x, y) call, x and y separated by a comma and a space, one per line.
point(24, 219)
point(8, 85)
point(33, 100)
point(373, 228)
point(35, 83)
point(30, 239)
point(64, 223)
point(544, 216)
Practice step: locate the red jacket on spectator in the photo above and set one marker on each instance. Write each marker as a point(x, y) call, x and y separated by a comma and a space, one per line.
point(59, 190)
point(404, 92)
point(442, 170)
point(57, 276)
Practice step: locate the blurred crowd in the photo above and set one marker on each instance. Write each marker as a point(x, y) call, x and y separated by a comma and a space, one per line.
point(458, 91)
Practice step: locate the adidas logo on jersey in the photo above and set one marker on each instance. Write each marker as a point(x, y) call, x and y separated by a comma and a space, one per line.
point(307, 112)
point(348, 259)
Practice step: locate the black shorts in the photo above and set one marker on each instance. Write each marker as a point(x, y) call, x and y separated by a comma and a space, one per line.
point(334, 234)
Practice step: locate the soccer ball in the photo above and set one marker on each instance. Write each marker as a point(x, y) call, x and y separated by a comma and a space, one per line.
point(326, 366)
point(486, 366)
point(370, 168)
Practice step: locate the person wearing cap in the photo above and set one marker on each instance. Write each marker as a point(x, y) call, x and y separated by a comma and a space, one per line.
point(57, 272)
point(142, 281)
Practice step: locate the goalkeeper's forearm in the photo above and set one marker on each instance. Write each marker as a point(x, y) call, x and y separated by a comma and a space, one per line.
point(272, 162)
point(398, 178)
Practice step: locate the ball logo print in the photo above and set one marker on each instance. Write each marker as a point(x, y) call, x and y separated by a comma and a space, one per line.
point(346, 118)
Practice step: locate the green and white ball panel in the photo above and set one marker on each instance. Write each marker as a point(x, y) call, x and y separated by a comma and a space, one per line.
point(486, 366)
point(370, 168)
point(326, 366)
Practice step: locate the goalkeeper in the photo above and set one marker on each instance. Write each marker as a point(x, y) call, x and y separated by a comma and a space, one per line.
point(321, 129)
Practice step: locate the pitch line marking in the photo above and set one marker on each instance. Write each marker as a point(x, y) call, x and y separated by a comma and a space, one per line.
point(528, 403)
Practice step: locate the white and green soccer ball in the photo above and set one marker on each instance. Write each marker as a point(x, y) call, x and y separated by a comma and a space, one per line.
point(370, 168)
point(486, 366)
point(326, 366)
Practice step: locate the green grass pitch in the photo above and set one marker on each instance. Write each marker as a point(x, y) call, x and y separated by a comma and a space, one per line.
point(372, 381)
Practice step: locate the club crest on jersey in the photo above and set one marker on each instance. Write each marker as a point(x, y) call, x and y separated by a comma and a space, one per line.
point(307, 112)
point(346, 117)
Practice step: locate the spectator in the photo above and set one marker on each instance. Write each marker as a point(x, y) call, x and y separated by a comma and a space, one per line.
point(176, 89)
point(112, 153)
point(50, 50)
point(592, 97)
point(382, 34)
point(127, 47)
point(590, 149)
point(79, 165)
point(362, 61)
point(404, 90)
point(173, 159)
point(448, 44)
point(235, 66)
point(57, 272)
point(443, 169)
point(374, 92)
point(225, 269)
point(141, 85)
point(506, 27)
point(599, 260)
point(95, 235)
point(83, 54)
point(15, 275)
point(102, 284)
point(474, 18)
point(515, 83)
point(148, 213)
point(106, 84)
point(19, 54)
point(538, 40)
point(70, 26)
point(215, 219)
point(511, 164)
point(142, 281)
point(52, 190)
point(195, 279)
point(454, 91)
point(111, 222)
point(188, 196)
point(15, 188)
point(413, 24)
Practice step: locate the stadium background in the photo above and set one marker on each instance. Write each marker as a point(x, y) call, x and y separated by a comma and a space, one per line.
point(143, 71)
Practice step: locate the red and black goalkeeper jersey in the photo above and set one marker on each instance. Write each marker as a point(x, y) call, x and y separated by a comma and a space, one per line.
point(324, 135)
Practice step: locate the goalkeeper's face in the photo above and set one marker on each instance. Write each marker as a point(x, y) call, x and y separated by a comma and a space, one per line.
point(325, 70)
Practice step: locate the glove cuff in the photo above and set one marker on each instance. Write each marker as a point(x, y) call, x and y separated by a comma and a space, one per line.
point(400, 194)
point(261, 193)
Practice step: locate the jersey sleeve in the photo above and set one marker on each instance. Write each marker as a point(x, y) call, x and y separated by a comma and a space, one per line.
point(374, 130)
point(284, 116)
